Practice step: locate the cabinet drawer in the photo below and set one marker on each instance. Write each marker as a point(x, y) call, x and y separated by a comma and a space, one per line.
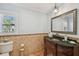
point(64, 50)
point(50, 48)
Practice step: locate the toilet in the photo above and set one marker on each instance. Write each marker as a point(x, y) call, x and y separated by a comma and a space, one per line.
point(4, 54)
point(6, 48)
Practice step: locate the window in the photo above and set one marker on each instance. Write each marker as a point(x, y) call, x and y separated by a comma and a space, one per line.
point(7, 23)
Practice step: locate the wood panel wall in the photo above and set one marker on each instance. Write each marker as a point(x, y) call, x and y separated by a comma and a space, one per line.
point(33, 44)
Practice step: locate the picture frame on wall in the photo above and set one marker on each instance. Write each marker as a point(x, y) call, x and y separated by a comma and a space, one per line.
point(8, 22)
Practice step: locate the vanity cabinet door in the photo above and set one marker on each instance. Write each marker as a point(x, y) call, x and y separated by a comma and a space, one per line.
point(64, 51)
point(50, 49)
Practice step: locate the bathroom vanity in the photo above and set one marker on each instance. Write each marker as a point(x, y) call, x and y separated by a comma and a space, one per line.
point(55, 46)
point(65, 23)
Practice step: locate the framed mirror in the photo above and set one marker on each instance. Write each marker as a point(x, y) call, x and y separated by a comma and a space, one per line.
point(65, 23)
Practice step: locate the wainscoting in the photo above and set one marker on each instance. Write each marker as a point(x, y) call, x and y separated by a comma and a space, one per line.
point(33, 44)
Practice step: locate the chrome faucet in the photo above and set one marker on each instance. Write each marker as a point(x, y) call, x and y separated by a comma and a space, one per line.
point(65, 37)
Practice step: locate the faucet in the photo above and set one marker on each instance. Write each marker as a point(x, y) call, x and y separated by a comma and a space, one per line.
point(65, 37)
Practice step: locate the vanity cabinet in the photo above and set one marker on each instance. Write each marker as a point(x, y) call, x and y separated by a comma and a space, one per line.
point(52, 48)
point(64, 51)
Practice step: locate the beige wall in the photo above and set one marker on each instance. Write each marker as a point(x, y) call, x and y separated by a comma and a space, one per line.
point(33, 44)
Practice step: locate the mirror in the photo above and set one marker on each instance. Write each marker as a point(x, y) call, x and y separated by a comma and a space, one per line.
point(65, 23)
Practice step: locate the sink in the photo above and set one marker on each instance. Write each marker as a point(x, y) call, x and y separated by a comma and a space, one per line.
point(6, 46)
point(70, 41)
point(61, 41)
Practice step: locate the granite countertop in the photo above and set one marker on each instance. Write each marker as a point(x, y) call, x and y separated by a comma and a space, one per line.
point(63, 43)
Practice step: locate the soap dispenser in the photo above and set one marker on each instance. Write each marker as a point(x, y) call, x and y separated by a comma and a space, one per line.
point(50, 34)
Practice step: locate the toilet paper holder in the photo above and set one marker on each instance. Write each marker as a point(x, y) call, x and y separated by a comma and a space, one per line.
point(21, 49)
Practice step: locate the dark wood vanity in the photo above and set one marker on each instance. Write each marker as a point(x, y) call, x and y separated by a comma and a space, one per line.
point(57, 45)
point(59, 48)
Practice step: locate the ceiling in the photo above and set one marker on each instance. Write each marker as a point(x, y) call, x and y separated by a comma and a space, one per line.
point(40, 7)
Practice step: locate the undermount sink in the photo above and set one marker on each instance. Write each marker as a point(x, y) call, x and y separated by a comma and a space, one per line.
point(70, 41)
point(67, 41)
point(6, 46)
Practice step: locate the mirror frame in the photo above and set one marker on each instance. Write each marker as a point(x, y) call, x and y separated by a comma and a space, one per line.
point(74, 11)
